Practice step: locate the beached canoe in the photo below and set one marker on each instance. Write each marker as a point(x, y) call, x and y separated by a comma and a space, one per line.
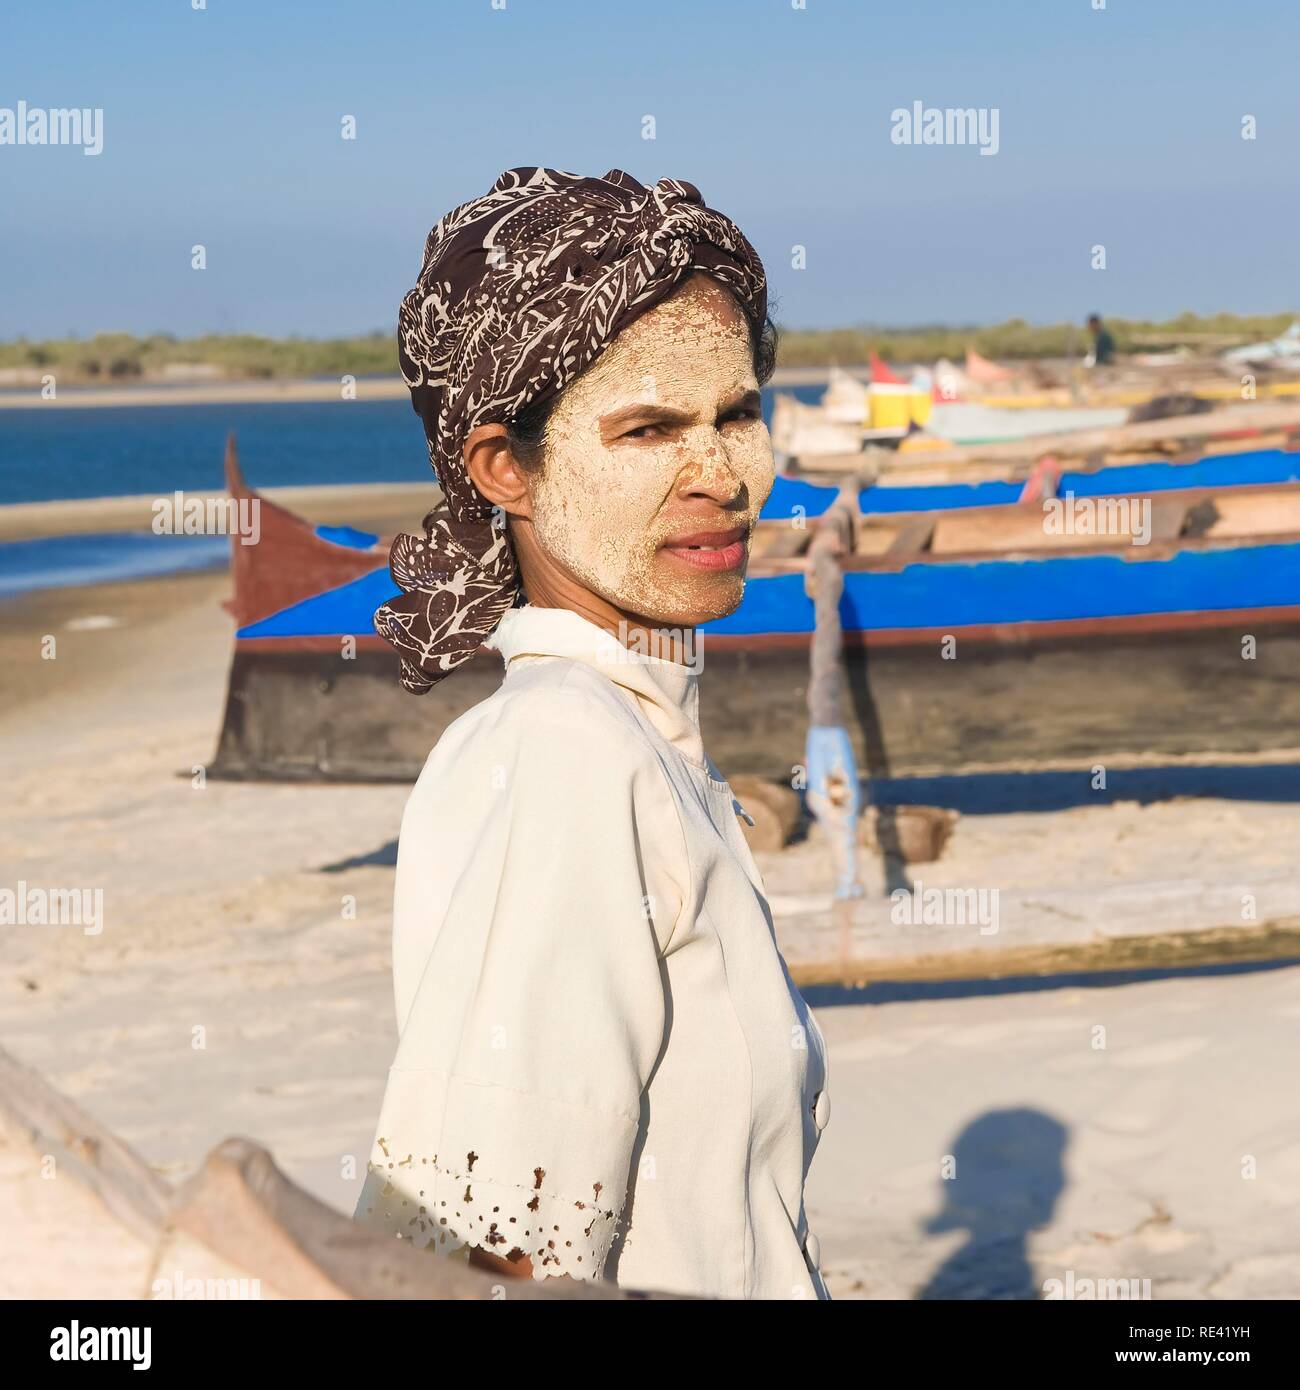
point(1179, 438)
point(976, 635)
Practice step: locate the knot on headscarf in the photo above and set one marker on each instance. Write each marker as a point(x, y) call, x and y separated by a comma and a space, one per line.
point(520, 291)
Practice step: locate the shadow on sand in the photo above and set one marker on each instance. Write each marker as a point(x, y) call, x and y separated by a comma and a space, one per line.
point(1007, 1172)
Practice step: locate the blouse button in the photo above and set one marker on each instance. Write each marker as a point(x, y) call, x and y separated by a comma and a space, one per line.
point(821, 1110)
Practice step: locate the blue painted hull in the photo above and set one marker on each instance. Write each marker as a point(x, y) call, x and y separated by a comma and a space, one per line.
point(930, 595)
point(1140, 479)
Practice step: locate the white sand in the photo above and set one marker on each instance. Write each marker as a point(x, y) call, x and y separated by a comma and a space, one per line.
point(1118, 1163)
point(385, 505)
point(217, 393)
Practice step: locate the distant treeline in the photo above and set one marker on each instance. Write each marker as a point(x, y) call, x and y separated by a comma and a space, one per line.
point(1017, 339)
point(125, 357)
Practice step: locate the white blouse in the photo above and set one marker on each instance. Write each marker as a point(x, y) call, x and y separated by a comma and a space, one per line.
point(602, 1059)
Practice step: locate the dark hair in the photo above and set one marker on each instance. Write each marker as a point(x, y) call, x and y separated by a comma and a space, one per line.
point(527, 431)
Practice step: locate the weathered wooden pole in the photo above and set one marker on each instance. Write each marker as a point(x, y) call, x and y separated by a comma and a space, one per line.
point(834, 795)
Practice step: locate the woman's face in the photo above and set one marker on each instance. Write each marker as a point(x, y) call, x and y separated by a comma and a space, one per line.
point(657, 463)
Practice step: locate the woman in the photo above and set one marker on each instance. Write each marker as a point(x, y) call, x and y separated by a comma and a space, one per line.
point(604, 1070)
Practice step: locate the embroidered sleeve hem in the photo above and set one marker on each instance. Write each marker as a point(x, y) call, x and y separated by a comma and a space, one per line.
point(473, 1187)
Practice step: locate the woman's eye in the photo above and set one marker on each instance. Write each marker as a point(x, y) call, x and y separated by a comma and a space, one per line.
point(741, 417)
point(643, 432)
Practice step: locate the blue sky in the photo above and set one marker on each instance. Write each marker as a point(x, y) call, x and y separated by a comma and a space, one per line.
point(1118, 126)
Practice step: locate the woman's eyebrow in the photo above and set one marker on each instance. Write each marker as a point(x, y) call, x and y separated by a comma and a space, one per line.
point(642, 413)
point(651, 413)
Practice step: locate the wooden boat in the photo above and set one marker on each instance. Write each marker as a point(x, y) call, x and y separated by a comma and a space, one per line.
point(1184, 438)
point(975, 637)
point(973, 422)
point(846, 400)
point(111, 1228)
point(808, 431)
point(1003, 436)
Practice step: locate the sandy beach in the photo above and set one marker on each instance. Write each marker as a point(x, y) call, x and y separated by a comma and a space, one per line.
point(240, 985)
point(1170, 1156)
point(237, 392)
point(232, 392)
point(383, 508)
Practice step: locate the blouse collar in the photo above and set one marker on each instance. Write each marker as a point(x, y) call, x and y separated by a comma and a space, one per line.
point(667, 692)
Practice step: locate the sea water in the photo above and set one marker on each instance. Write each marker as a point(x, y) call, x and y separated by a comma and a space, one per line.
point(54, 453)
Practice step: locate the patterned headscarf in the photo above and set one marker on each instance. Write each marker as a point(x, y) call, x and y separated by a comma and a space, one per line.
point(519, 292)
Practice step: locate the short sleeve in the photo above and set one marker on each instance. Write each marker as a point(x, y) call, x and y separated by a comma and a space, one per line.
point(512, 1111)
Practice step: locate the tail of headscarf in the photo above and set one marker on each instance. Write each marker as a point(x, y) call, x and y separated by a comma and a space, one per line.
point(520, 291)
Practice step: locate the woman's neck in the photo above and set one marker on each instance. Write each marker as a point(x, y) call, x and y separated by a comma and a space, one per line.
point(638, 634)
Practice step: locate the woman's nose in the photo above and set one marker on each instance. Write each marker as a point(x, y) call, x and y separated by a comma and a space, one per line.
point(709, 472)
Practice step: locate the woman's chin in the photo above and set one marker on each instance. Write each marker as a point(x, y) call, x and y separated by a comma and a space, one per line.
point(704, 601)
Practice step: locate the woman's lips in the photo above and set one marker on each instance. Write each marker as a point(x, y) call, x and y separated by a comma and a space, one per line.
point(710, 550)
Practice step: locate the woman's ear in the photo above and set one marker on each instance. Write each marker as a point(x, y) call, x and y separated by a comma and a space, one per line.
point(495, 472)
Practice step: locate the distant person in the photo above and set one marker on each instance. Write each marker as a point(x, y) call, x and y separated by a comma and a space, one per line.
point(1103, 345)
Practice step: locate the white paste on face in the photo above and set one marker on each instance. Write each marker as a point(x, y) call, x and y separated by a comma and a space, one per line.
point(602, 505)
